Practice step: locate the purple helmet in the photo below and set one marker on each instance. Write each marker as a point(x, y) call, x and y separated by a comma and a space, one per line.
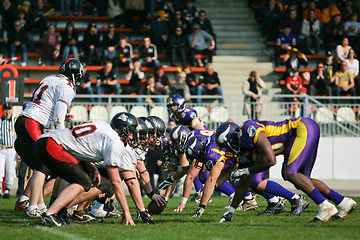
point(195, 149)
point(162, 145)
point(227, 136)
point(178, 138)
point(175, 100)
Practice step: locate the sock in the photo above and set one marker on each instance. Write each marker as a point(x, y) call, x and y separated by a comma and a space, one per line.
point(266, 195)
point(335, 197)
point(30, 208)
point(316, 196)
point(273, 200)
point(198, 185)
point(232, 210)
point(295, 196)
point(278, 190)
point(232, 195)
point(41, 206)
point(23, 198)
point(226, 188)
point(166, 199)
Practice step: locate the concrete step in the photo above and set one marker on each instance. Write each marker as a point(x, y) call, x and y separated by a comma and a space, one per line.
point(221, 4)
point(247, 27)
point(236, 59)
point(237, 34)
point(240, 52)
point(243, 18)
point(233, 10)
point(228, 21)
point(239, 39)
point(258, 46)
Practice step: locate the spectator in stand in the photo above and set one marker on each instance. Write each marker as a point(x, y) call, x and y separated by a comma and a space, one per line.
point(190, 80)
point(177, 43)
point(8, 12)
point(159, 29)
point(198, 45)
point(284, 43)
point(342, 50)
point(110, 39)
point(329, 12)
point(330, 65)
point(272, 17)
point(65, 7)
point(106, 81)
point(124, 54)
point(148, 54)
point(293, 83)
point(344, 82)
point(320, 81)
point(91, 45)
point(116, 11)
point(312, 5)
point(50, 45)
point(85, 85)
point(252, 89)
point(294, 24)
point(310, 32)
point(209, 83)
point(135, 76)
point(162, 79)
point(348, 10)
point(353, 67)
point(26, 26)
point(334, 32)
point(178, 21)
point(169, 8)
point(190, 12)
point(150, 88)
point(39, 16)
point(205, 24)
point(352, 31)
point(69, 38)
point(78, 7)
point(135, 14)
point(180, 87)
point(17, 42)
point(3, 39)
point(294, 61)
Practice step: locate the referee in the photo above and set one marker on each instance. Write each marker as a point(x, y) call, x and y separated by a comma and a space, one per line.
point(7, 151)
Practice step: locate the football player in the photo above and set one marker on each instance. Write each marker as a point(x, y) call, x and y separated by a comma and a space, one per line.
point(70, 152)
point(296, 139)
point(48, 103)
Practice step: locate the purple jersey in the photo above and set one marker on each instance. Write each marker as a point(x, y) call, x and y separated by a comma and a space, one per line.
point(189, 118)
point(214, 155)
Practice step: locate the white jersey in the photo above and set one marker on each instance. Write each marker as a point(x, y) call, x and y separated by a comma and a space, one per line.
point(140, 154)
point(51, 89)
point(92, 141)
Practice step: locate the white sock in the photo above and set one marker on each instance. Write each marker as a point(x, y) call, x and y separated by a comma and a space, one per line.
point(248, 197)
point(30, 208)
point(232, 195)
point(41, 206)
point(273, 200)
point(99, 206)
point(24, 198)
point(295, 196)
point(232, 210)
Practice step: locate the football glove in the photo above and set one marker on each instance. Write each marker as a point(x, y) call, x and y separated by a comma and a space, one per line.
point(227, 217)
point(239, 174)
point(199, 211)
point(166, 183)
point(146, 217)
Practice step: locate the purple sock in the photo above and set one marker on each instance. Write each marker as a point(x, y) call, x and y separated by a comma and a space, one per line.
point(265, 194)
point(278, 190)
point(316, 196)
point(335, 197)
point(198, 185)
point(247, 194)
point(226, 188)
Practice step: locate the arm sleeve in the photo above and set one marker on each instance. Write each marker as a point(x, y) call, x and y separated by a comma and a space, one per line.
point(59, 114)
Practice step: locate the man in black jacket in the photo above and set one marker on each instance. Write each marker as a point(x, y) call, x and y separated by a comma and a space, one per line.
point(178, 44)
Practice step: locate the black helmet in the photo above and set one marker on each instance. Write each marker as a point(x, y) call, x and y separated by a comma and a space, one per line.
point(160, 125)
point(142, 133)
point(124, 124)
point(72, 69)
point(151, 131)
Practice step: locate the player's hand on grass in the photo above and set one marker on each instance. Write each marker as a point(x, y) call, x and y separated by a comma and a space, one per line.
point(180, 207)
point(128, 218)
point(160, 200)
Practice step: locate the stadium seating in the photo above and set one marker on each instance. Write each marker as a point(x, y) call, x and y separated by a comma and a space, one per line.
point(324, 115)
point(345, 114)
point(116, 109)
point(80, 113)
point(161, 112)
point(99, 113)
point(203, 113)
point(139, 111)
point(219, 114)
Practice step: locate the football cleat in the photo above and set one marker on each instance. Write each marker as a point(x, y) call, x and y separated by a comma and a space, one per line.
point(247, 204)
point(50, 220)
point(298, 206)
point(346, 206)
point(82, 217)
point(6, 194)
point(274, 208)
point(196, 198)
point(33, 213)
point(146, 217)
point(62, 216)
point(326, 212)
point(229, 203)
point(21, 206)
point(199, 211)
point(227, 217)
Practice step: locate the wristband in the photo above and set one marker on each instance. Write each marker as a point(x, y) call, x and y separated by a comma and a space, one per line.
point(179, 169)
point(246, 171)
point(150, 194)
point(184, 200)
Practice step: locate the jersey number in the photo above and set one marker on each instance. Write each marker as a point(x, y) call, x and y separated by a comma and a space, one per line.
point(206, 133)
point(36, 97)
point(82, 130)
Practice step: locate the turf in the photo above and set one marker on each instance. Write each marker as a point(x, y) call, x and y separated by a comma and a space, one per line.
point(171, 225)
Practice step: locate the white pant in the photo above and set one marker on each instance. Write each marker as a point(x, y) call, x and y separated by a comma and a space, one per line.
point(8, 161)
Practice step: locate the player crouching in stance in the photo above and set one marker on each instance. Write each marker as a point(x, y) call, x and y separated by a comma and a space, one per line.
point(297, 139)
point(70, 152)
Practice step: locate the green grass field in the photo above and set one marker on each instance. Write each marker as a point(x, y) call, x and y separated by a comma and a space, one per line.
point(172, 225)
